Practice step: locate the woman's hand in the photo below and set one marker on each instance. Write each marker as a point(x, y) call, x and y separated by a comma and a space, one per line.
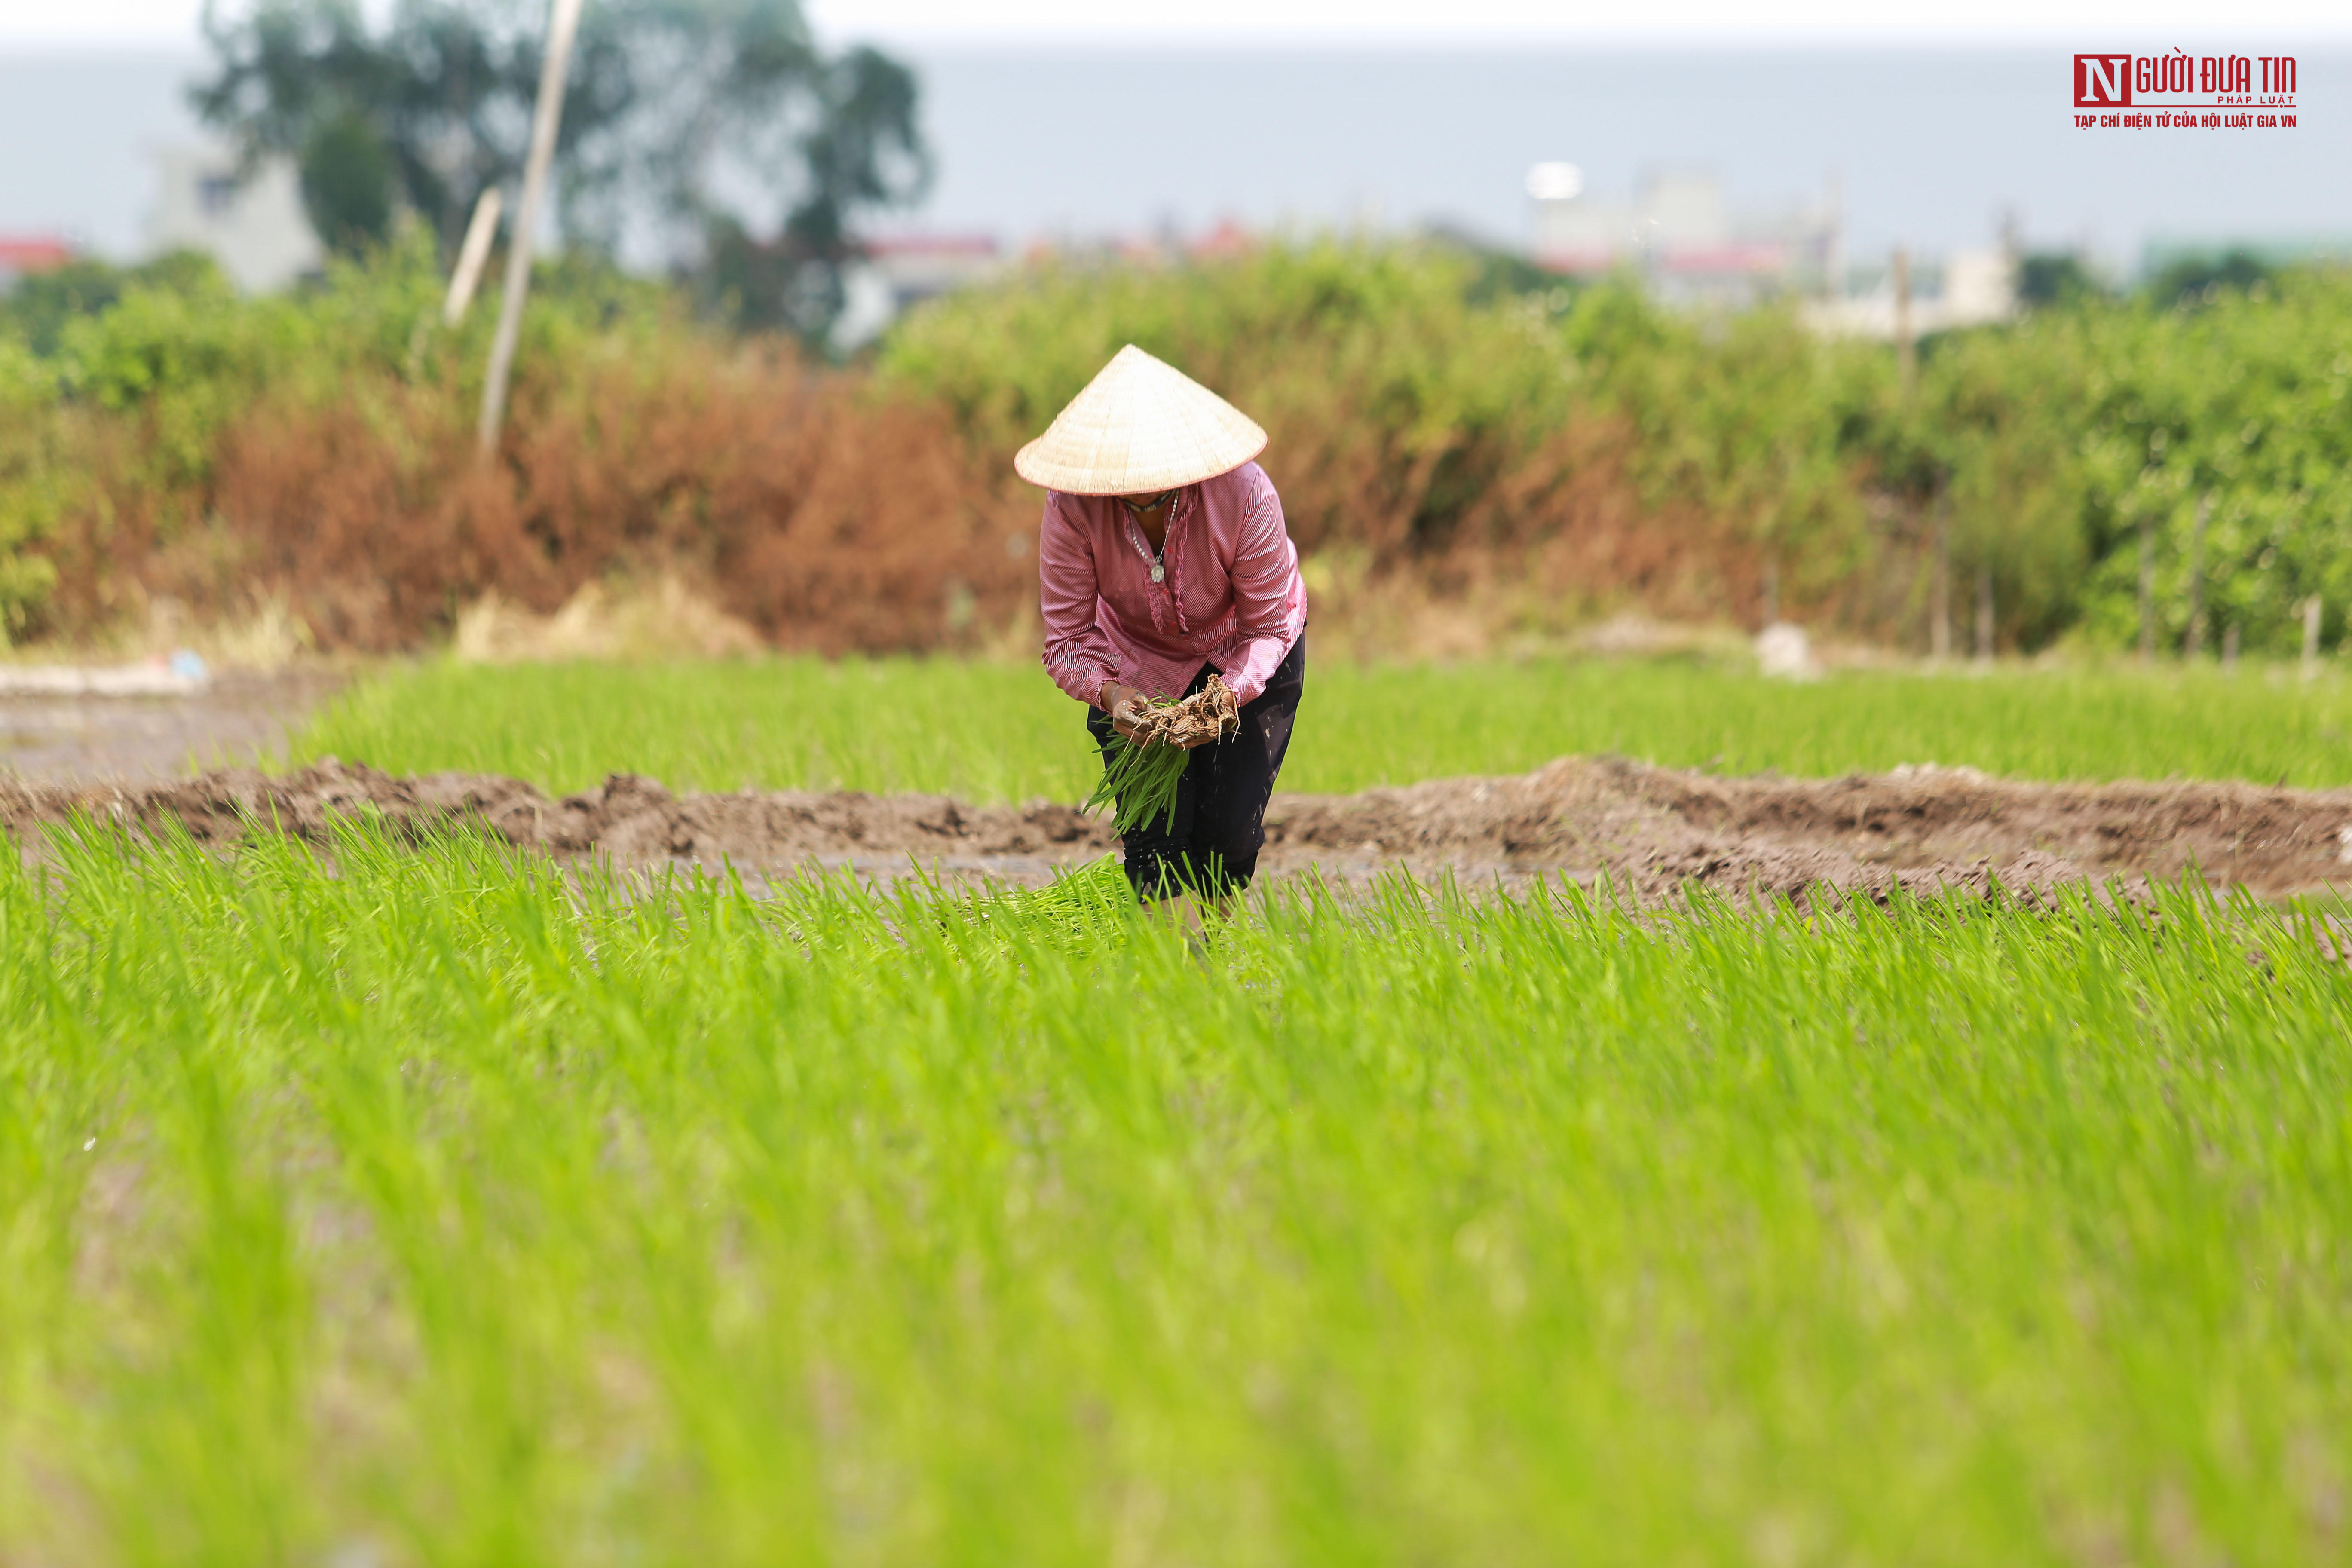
point(1127, 706)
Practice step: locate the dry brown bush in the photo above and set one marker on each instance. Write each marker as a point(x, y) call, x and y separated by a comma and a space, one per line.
point(829, 518)
point(828, 515)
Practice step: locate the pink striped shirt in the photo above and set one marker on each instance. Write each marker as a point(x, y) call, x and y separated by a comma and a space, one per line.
point(1232, 595)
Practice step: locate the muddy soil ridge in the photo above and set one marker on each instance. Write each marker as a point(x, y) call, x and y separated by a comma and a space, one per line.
point(1650, 831)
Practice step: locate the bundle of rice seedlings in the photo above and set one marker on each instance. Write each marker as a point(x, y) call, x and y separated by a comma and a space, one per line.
point(1142, 775)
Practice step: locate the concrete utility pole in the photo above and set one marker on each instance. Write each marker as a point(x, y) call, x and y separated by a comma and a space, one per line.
point(2311, 638)
point(562, 22)
point(2196, 577)
point(1906, 353)
point(1834, 246)
point(471, 255)
point(2146, 590)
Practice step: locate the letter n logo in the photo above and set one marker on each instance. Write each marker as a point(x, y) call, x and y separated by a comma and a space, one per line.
point(2103, 82)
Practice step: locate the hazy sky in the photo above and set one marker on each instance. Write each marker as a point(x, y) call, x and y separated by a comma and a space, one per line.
point(1712, 23)
point(1315, 113)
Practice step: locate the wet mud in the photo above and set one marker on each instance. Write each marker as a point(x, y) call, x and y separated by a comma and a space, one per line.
point(1650, 832)
point(68, 740)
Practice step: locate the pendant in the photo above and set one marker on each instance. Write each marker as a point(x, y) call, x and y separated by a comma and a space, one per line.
point(1159, 572)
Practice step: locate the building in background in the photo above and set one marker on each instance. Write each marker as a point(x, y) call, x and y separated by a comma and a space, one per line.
point(902, 270)
point(916, 267)
point(1961, 288)
point(1690, 247)
point(255, 227)
point(1683, 239)
point(23, 254)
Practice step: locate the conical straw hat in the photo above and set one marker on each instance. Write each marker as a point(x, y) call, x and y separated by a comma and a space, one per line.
point(1140, 427)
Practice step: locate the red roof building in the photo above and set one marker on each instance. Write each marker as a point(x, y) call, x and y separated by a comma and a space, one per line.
point(21, 254)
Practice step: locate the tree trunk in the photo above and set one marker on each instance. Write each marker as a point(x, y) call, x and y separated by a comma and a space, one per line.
point(1984, 612)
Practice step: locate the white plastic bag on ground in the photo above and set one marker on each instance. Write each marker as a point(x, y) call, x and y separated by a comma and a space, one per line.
point(1783, 651)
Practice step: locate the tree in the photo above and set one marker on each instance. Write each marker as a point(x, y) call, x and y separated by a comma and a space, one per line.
point(2193, 278)
point(42, 305)
point(347, 184)
point(2055, 277)
point(712, 136)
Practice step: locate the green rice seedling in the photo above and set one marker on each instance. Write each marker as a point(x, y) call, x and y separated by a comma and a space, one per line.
point(1142, 774)
point(435, 1202)
point(1139, 783)
point(989, 733)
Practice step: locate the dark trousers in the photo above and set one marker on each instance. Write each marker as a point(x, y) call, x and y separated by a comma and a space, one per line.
point(1212, 843)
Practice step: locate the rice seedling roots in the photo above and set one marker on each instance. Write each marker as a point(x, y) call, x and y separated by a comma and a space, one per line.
point(1143, 772)
point(1209, 714)
point(1651, 831)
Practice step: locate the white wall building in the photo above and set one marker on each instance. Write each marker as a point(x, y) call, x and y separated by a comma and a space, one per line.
point(1682, 236)
point(900, 270)
point(1689, 246)
point(1966, 288)
point(253, 227)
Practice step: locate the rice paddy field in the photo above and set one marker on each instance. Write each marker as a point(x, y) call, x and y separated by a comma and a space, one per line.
point(385, 1204)
point(992, 733)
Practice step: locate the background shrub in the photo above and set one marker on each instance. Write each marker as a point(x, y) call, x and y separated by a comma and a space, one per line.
point(1441, 434)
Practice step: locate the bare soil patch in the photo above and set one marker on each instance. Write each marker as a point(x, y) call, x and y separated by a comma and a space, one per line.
point(1650, 831)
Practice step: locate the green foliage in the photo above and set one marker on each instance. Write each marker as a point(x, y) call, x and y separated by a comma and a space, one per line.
point(1388, 323)
point(2193, 278)
point(180, 359)
point(121, 424)
point(31, 482)
point(184, 362)
point(2060, 278)
point(178, 362)
point(1001, 732)
point(1429, 422)
point(2046, 439)
point(1752, 419)
point(1449, 383)
point(40, 306)
point(444, 1206)
point(2242, 399)
point(1365, 363)
point(1994, 438)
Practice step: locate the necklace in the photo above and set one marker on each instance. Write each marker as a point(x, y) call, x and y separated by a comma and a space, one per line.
point(1135, 537)
point(1135, 510)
